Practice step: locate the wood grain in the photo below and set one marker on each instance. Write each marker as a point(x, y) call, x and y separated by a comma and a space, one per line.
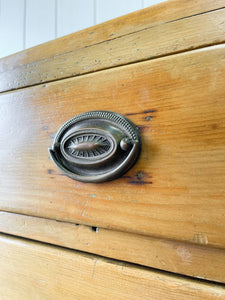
point(31, 270)
point(176, 190)
point(177, 257)
point(139, 36)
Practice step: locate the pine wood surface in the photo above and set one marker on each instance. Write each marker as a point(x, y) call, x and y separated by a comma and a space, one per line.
point(31, 270)
point(168, 211)
point(156, 31)
point(184, 258)
point(176, 190)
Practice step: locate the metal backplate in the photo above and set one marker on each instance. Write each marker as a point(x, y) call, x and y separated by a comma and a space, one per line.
point(96, 146)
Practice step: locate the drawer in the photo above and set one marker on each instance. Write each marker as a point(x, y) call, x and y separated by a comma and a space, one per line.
point(32, 270)
point(169, 255)
point(175, 190)
point(170, 206)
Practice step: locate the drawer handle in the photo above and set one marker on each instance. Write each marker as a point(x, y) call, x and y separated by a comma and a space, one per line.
point(96, 146)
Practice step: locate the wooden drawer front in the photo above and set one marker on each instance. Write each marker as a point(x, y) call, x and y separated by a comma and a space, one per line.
point(177, 257)
point(176, 190)
point(30, 270)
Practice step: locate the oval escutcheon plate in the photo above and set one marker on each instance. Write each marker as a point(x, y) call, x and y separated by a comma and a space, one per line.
point(96, 146)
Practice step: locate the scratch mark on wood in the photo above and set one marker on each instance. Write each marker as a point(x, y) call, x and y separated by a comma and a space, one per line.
point(184, 254)
point(93, 272)
point(200, 238)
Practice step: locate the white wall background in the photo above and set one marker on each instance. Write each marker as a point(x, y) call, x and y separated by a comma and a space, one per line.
point(27, 23)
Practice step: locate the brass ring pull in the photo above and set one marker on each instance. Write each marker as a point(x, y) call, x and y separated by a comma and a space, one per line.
point(96, 146)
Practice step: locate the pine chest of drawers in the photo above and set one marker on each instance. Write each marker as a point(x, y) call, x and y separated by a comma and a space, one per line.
point(153, 232)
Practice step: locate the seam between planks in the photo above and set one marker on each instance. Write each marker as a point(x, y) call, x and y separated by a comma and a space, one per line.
point(188, 242)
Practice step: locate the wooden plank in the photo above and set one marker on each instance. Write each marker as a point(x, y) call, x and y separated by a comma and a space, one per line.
point(34, 270)
point(32, 66)
point(74, 15)
point(176, 190)
point(40, 22)
point(106, 10)
point(177, 257)
point(11, 36)
point(134, 47)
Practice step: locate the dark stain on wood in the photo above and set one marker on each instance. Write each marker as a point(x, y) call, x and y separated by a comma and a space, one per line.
point(142, 112)
point(142, 128)
point(137, 182)
point(139, 178)
point(214, 126)
point(54, 172)
point(51, 171)
point(149, 111)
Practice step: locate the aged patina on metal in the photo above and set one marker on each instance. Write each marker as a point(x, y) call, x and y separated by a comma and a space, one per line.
point(96, 146)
